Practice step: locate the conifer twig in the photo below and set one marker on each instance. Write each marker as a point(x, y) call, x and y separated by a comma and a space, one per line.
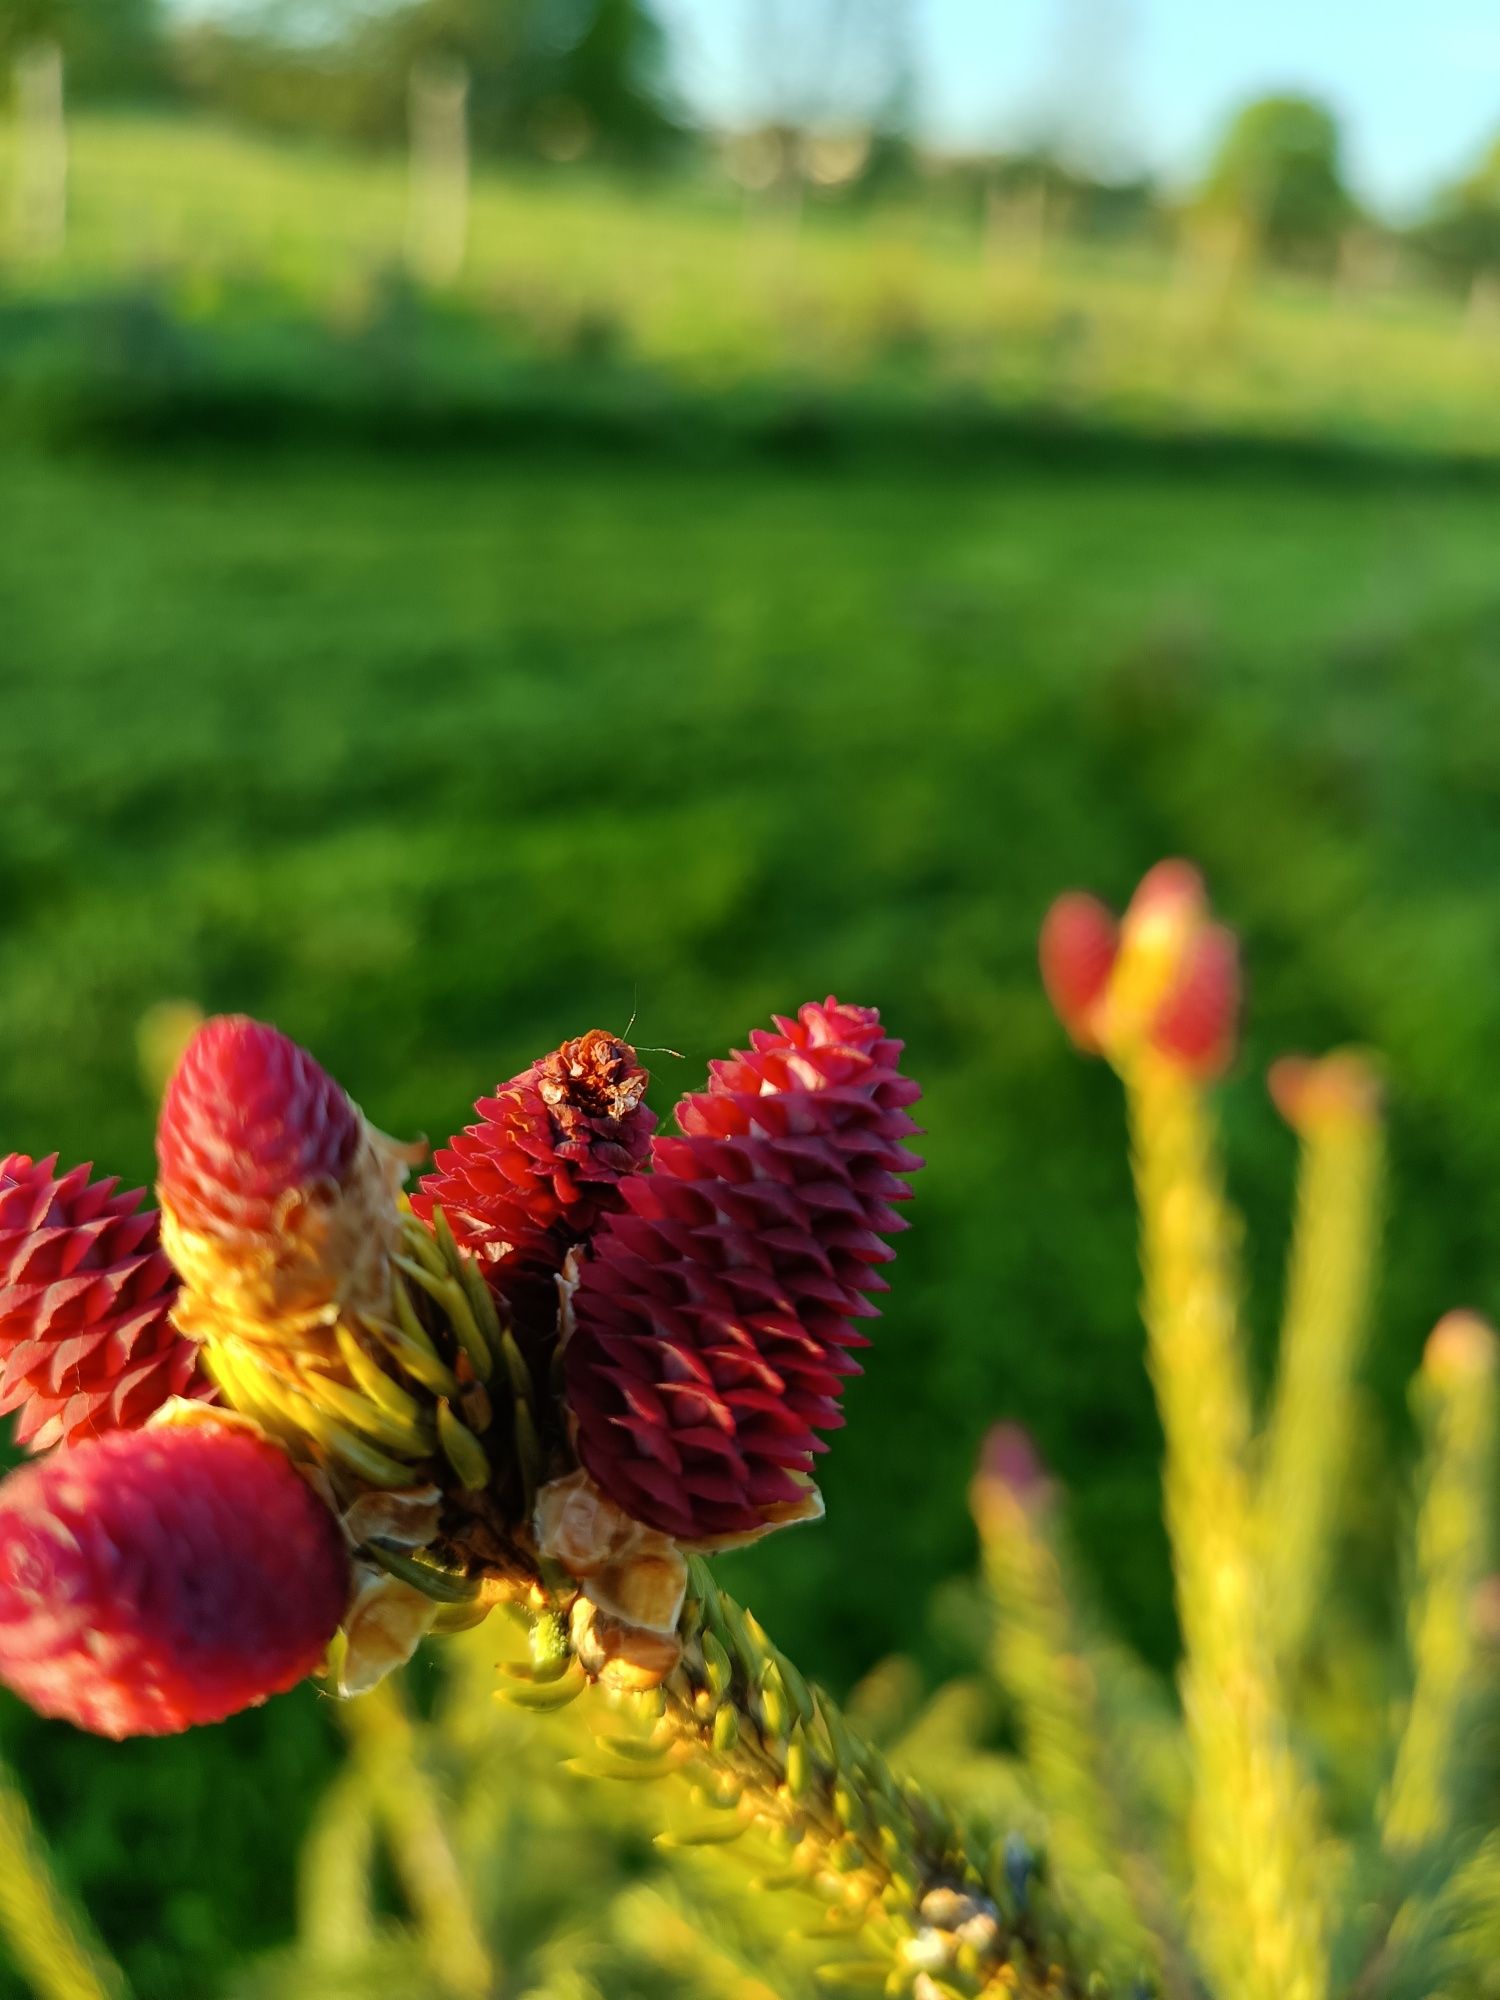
point(1457, 1400)
point(48, 1936)
point(1260, 1920)
point(1039, 1663)
point(1333, 1106)
point(765, 1755)
point(412, 1817)
point(335, 1905)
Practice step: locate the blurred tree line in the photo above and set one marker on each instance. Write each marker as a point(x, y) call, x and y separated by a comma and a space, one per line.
point(554, 78)
point(1278, 176)
point(115, 49)
point(551, 78)
point(831, 98)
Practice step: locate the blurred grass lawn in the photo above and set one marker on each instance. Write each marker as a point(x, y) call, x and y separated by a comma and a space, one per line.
point(689, 278)
point(437, 761)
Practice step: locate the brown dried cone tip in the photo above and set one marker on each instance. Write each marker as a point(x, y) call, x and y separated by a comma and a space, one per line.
point(531, 1179)
point(86, 1295)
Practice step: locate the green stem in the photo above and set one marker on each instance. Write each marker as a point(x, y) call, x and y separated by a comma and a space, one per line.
point(1260, 1917)
point(49, 1937)
point(1038, 1660)
point(768, 1756)
point(336, 1919)
point(1327, 1306)
point(417, 1834)
point(1457, 1397)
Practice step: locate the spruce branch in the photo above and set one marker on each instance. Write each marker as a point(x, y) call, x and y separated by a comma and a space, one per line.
point(1259, 1916)
point(47, 1935)
point(1334, 1107)
point(335, 1885)
point(1458, 1400)
point(762, 1756)
point(414, 1823)
point(1038, 1657)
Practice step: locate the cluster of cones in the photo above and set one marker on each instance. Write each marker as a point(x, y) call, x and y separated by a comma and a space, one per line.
point(293, 1401)
point(294, 1408)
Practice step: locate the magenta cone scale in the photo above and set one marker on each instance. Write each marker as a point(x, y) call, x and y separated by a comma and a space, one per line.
point(715, 1317)
point(86, 1337)
point(164, 1577)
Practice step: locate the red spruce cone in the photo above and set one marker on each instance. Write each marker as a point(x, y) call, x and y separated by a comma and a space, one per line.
point(532, 1179)
point(713, 1318)
point(165, 1577)
point(247, 1116)
point(279, 1200)
point(86, 1296)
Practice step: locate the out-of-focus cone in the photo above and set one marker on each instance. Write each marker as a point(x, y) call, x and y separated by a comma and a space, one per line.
point(1079, 941)
point(165, 1577)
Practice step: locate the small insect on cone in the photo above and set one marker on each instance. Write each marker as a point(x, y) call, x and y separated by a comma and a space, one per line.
point(531, 1179)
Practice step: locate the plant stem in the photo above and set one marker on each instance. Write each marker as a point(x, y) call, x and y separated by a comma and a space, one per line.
point(1323, 1330)
point(1038, 1660)
point(336, 1918)
point(1260, 1919)
point(767, 1755)
point(48, 1936)
point(417, 1834)
point(1457, 1401)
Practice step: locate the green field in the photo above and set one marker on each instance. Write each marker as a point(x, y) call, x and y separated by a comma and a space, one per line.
point(922, 576)
point(436, 761)
point(694, 282)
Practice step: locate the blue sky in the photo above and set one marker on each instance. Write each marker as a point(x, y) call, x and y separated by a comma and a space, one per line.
point(1417, 87)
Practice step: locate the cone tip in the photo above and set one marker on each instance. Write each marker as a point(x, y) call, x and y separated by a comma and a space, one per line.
point(1461, 1348)
point(1313, 1092)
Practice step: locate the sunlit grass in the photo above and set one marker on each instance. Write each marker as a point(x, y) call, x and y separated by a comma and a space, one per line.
point(436, 760)
point(695, 277)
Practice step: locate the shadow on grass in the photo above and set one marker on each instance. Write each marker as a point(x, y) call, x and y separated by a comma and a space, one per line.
point(126, 369)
